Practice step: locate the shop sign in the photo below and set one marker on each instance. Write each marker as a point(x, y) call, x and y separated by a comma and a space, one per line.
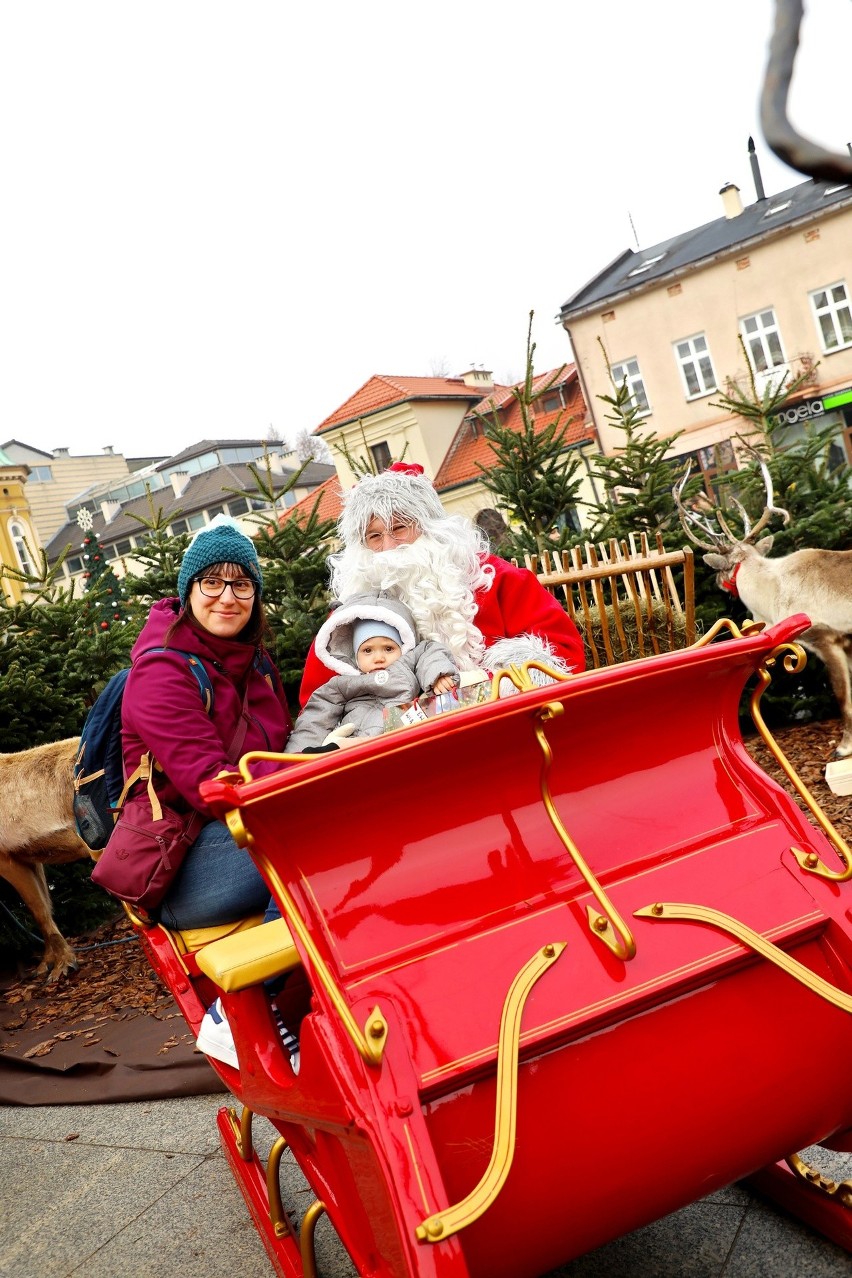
point(809, 409)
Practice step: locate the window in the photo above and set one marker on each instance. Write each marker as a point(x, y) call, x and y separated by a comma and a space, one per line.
point(628, 372)
point(696, 368)
point(710, 463)
point(18, 535)
point(76, 564)
point(238, 506)
point(39, 475)
point(550, 403)
point(833, 316)
point(381, 455)
point(124, 547)
point(763, 341)
point(190, 524)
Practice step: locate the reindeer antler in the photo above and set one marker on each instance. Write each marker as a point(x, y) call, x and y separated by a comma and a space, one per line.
point(770, 508)
point(690, 519)
point(726, 538)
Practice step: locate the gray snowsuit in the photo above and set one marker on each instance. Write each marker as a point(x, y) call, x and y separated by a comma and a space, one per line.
point(358, 698)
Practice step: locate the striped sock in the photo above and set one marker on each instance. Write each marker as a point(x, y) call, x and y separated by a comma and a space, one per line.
point(288, 1039)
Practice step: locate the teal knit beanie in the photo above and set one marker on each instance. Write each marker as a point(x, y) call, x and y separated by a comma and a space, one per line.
point(219, 542)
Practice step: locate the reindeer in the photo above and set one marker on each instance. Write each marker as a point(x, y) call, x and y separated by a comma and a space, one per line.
point(815, 582)
point(37, 829)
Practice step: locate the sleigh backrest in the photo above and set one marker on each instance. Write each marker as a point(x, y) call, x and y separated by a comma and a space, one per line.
point(629, 598)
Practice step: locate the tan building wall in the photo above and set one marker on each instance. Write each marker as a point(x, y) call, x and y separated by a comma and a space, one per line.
point(69, 476)
point(425, 429)
point(778, 273)
point(18, 541)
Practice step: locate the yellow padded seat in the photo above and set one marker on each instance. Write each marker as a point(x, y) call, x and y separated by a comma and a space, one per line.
point(250, 956)
point(194, 938)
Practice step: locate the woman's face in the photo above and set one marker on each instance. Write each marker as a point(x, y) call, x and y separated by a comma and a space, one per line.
point(224, 614)
point(381, 536)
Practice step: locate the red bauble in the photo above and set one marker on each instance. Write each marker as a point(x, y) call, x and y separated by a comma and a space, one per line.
point(104, 625)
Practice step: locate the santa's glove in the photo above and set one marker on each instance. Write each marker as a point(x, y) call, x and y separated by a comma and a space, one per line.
point(341, 736)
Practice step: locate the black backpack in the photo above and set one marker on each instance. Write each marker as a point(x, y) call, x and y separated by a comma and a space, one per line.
point(99, 767)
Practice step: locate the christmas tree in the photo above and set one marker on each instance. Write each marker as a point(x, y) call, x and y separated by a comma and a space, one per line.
point(104, 602)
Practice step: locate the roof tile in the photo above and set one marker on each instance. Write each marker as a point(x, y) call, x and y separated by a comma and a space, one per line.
point(470, 448)
point(383, 392)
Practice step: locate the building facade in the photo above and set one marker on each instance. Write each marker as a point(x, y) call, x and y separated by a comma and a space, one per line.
point(18, 538)
point(183, 492)
point(437, 422)
point(56, 478)
point(763, 294)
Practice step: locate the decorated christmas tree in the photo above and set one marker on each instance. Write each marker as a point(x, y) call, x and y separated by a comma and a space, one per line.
point(104, 600)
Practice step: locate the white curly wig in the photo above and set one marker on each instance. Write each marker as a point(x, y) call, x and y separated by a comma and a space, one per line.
point(437, 576)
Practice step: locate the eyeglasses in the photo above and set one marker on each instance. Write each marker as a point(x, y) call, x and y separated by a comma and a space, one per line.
point(214, 587)
point(398, 534)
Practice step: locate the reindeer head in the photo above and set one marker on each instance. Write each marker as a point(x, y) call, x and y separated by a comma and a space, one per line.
point(726, 550)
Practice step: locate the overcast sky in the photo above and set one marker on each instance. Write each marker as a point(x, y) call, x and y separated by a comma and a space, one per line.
point(224, 217)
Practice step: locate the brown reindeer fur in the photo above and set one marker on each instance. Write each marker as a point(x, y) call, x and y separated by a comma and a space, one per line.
point(37, 829)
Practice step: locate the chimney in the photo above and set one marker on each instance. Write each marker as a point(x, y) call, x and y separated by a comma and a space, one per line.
point(180, 482)
point(109, 448)
point(478, 377)
point(276, 463)
point(755, 171)
point(60, 452)
point(109, 510)
point(731, 200)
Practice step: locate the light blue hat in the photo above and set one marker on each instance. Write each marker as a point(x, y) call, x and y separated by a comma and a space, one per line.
point(219, 542)
point(367, 629)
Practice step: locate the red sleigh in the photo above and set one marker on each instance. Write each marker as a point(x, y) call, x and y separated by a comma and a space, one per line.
point(552, 959)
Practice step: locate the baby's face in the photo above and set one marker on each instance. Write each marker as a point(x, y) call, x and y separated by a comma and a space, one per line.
point(377, 654)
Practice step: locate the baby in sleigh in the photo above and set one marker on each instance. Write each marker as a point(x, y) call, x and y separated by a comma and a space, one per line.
point(370, 643)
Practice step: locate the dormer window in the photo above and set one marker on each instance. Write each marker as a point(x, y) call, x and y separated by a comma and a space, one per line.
point(777, 208)
point(646, 265)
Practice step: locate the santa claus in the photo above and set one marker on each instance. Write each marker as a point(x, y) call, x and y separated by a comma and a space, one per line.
point(398, 538)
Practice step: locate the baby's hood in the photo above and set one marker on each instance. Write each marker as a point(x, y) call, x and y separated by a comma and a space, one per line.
point(333, 644)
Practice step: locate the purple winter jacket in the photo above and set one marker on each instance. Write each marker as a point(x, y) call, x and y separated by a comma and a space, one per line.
point(162, 710)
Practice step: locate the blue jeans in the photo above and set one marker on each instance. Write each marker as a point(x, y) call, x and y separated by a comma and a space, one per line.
point(217, 883)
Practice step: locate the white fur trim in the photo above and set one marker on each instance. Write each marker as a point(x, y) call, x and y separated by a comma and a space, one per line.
point(346, 616)
point(517, 650)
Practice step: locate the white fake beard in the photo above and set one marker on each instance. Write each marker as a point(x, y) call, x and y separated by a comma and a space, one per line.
point(423, 576)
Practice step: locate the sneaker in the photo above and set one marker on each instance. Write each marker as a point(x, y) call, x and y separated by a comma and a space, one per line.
point(288, 1039)
point(215, 1038)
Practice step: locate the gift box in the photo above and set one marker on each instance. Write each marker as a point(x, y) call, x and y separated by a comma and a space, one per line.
point(473, 691)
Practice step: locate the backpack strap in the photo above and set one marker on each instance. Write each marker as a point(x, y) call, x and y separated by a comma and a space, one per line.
point(143, 773)
point(199, 670)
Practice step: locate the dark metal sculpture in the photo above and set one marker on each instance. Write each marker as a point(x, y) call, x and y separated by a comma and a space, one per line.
point(789, 145)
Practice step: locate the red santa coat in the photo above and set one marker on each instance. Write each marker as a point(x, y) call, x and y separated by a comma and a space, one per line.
point(516, 604)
